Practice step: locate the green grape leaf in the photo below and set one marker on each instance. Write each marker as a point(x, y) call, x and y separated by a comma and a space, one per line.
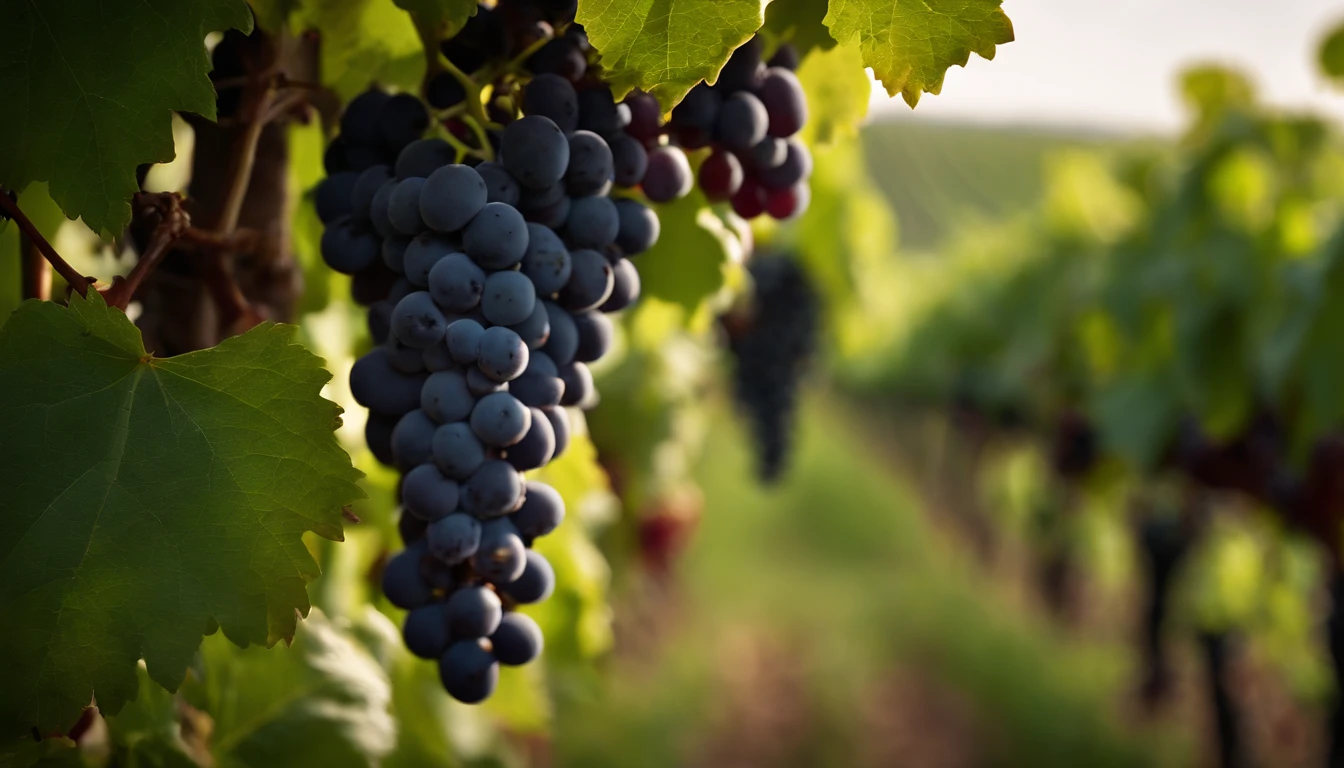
point(322, 702)
point(146, 497)
point(89, 88)
point(910, 44)
point(363, 41)
point(688, 264)
point(665, 47)
point(837, 93)
point(445, 16)
point(799, 22)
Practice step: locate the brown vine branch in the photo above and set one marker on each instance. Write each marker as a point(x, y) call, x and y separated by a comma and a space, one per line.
point(78, 283)
point(174, 222)
point(34, 271)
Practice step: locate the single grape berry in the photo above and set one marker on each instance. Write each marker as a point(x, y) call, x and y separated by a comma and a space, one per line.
point(742, 121)
point(785, 103)
point(535, 151)
point(552, 96)
point(497, 237)
point(456, 450)
point(349, 245)
point(417, 321)
point(536, 583)
point(720, 175)
point(668, 176)
point(639, 227)
point(517, 641)
point(452, 196)
point(468, 671)
point(590, 164)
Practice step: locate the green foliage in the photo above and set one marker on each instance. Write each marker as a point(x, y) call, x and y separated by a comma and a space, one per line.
point(322, 701)
point(182, 500)
point(446, 17)
point(693, 256)
point(910, 45)
point(1200, 287)
point(837, 93)
point(114, 70)
point(363, 41)
point(799, 22)
point(665, 47)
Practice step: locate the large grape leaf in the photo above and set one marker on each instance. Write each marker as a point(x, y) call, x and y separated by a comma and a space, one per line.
point(89, 88)
point(910, 44)
point(145, 497)
point(665, 47)
point(322, 702)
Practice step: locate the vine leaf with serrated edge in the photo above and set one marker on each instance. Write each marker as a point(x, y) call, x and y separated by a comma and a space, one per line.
point(146, 497)
point(89, 89)
point(665, 47)
point(910, 45)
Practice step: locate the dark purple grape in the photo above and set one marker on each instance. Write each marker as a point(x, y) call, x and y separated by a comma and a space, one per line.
point(552, 96)
point(595, 336)
point(332, 196)
point(518, 640)
point(427, 494)
point(597, 111)
point(668, 176)
point(593, 222)
point(589, 281)
point(500, 186)
point(349, 245)
point(625, 287)
point(546, 261)
point(742, 121)
point(785, 103)
point(629, 160)
point(359, 121)
point(468, 671)
point(639, 226)
point(381, 388)
point(786, 56)
point(535, 151)
point(645, 116)
point(796, 167)
point(453, 195)
point(401, 120)
point(720, 175)
point(578, 385)
point(743, 68)
point(536, 584)
point(590, 163)
point(403, 209)
point(559, 419)
point(536, 447)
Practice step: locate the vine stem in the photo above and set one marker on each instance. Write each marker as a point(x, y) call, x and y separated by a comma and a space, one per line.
point(34, 271)
point(78, 283)
point(176, 222)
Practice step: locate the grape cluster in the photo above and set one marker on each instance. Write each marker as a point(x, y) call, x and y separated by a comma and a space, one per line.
point(749, 119)
point(487, 285)
point(773, 341)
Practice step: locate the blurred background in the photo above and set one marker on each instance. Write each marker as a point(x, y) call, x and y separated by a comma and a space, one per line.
point(1021, 447)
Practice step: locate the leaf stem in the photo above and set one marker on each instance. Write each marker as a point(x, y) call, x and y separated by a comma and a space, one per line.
point(78, 283)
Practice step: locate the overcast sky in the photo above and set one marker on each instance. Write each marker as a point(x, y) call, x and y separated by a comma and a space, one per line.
point(1111, 63)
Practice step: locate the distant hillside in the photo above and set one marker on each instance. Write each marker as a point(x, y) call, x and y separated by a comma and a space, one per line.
point(939, 176)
